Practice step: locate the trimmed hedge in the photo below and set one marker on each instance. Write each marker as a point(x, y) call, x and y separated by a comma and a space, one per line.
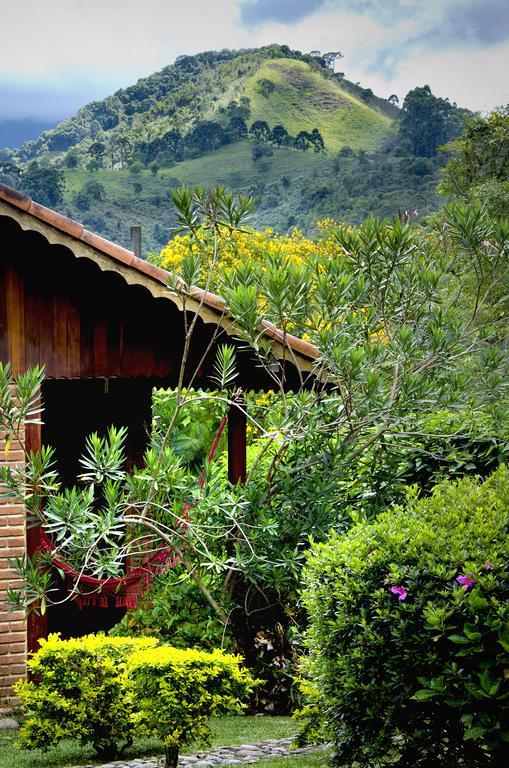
point(409, 631)
point(104, 690)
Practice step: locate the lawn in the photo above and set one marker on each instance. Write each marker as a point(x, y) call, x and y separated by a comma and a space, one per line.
point(225, 731)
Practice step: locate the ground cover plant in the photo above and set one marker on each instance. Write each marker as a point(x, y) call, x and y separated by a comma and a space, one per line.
point(409, 631)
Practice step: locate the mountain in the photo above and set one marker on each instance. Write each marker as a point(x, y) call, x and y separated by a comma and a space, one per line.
point(270, 121)
point(16, 131)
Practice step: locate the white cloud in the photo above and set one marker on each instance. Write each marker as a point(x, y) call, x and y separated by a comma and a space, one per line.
point(111, 38)
point(111, 43)
point(473, 78)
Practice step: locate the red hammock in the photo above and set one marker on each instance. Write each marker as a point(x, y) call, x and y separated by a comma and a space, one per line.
point(121, 589)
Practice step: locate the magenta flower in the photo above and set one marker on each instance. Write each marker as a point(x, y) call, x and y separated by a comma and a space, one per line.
point(466, 581)
point(400, 591)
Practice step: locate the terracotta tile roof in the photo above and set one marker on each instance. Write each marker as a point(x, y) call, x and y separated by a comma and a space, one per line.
point(122, 255)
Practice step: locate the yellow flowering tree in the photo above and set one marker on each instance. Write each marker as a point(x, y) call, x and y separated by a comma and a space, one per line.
point(238, 247)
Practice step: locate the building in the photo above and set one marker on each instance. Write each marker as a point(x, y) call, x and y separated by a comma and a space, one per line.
point(107, 329)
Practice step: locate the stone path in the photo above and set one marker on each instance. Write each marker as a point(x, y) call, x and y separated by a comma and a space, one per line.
point(239, 754)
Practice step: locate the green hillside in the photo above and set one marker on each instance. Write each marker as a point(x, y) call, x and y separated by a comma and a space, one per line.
point(213, 119)
point(304, 99)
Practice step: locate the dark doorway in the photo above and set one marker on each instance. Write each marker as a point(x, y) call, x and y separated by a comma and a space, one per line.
point(72, 411)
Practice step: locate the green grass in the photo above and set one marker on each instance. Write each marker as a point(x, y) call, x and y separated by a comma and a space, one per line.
point(230, 166)
point(303, 99)
point(312, 760)
point(225, 732)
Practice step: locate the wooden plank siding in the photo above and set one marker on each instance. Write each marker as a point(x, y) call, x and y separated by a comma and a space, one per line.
point(80, 322)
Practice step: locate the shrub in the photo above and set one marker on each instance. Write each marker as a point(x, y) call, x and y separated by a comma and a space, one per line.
point(80, 693)
point(104, 690)
point(174, 693)
point(409, 630)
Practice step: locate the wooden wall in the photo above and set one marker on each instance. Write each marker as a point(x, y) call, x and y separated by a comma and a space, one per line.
point(80, 322)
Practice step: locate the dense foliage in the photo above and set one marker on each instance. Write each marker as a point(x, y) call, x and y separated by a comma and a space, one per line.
point(409, 630)
point(406, 336)
point(428, 121)
point(478, 169)
point(104, 690)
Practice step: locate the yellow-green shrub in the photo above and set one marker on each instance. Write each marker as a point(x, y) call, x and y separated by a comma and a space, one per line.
point(104, 690)
point(79, 691)
point(174, 692)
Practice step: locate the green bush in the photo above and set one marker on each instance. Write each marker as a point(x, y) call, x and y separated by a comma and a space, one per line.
point(409, 631)
point(78, 691)
point(174, 692)
point(104, 690)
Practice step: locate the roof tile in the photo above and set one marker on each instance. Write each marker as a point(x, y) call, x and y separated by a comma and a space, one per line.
point(19, 199)
point(57, 220)
point(106, 246)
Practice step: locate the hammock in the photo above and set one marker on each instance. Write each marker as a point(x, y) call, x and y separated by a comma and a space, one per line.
point(120, 589)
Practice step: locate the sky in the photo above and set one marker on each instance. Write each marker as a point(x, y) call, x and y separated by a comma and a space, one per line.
point(57, 55)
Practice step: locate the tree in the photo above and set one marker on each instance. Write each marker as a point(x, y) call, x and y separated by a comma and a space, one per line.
point(260, 130)
point(97, 150)
point(302, 141)
point(136, 168)
point(124, 145)
point(478, 168)
point(154, 168)
point(82, 200)
point(260, 149)
point(94, 189)
point(331, 58)
point(279, 135)
point(71, 159)
point(394, 100)
point(428, 121)
point(206, 136)
point(316, 139)
point(44, 184)
point(237, 128)
point(9, 168)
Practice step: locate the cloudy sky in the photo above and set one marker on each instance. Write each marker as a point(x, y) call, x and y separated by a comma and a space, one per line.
point(58, 54)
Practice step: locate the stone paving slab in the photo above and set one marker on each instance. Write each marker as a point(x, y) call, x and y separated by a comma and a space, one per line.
point(237, 754)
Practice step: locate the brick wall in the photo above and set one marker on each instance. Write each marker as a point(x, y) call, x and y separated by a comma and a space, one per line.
point(13, 636)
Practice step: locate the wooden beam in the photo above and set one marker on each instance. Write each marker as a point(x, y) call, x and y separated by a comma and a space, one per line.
point(237, 444)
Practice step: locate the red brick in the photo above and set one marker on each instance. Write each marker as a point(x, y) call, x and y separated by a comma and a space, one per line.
point(12, 637)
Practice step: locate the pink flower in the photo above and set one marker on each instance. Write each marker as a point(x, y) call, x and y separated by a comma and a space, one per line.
point(400, 591)
point(488, 566)
point(466, 581)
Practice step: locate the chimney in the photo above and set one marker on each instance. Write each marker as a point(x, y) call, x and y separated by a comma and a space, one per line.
point(136, 241)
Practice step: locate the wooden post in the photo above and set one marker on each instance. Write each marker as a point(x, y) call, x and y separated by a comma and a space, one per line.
point(136, 241)
point(37, 625)
point(237, 462)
